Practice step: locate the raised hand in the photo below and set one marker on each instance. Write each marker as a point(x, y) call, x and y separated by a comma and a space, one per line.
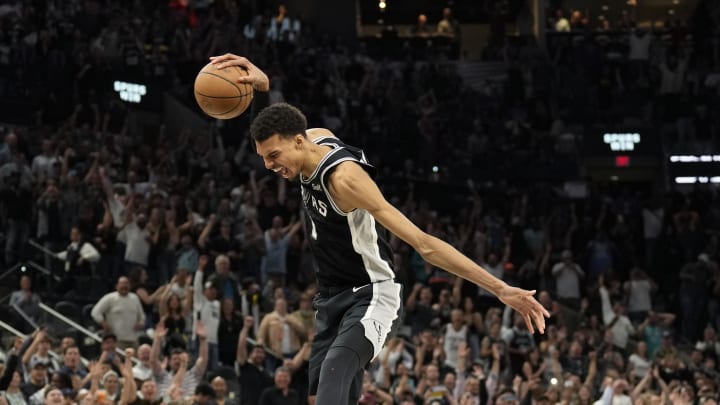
point(200, 330)
point(160, 330)
point(203, 262)
point(523, 302)
point(255, 76)
point(248, 322)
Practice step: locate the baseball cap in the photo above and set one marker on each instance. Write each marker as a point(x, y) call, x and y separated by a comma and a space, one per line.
point(38, 362)
point(209, 284)
point(507, 397)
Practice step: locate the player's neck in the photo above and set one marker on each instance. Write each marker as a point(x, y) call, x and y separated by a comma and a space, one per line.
point(313, 156)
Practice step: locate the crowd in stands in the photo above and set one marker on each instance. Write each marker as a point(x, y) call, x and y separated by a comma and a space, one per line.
point(191, 257)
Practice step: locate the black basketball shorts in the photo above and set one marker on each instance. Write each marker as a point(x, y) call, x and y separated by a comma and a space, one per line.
point(352, 317)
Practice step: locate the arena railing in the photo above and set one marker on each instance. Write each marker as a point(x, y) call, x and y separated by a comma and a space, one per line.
point(76, 326)
point(7, 327)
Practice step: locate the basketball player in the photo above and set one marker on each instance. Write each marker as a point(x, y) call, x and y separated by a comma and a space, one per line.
point(347, 219)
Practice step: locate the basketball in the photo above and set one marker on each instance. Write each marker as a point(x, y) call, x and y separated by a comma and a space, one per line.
point(218, 93)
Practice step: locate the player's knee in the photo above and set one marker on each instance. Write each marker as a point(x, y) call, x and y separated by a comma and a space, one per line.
point(341, 360)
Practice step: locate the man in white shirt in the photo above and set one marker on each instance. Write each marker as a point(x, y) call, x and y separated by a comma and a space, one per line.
point(143, 369)
point(42, 164)
point(614, 393)
point(567, 275)
point(206, 308)
point(561, 23)
point(121, 313)
point(614, 319)
point(137, 239)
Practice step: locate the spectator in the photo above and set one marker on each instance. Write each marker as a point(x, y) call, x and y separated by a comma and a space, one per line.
point(567, 280)
point(518, 338)
point(206, 308)
point(638, 290)
point(138, 239)
point(281, 332)
point(277, 241)
point(79, 256)
point(120, 313)
point(148, 393)
point(305, 313)
point(448, 26)
point(709, 344)
point(178, 360)
point(254, 378)
point(228, 333)
point(142, 371)
point(640, 361)
point(280, 393)
point(26, 299)
point(37, 378)
point(456, 332)
point(73, 368)
point(421, 28)
point(561, 23)
point(42, 164)
point(224, 281)
point(222, 397)
point(618, 325)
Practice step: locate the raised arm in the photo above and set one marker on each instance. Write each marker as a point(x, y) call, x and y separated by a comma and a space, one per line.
point(241, 355)
point(202, 240)
point(301, 356)
point(202, 360)
point(27, 356)
point(160, 332)
point(607, 312)
point(129, 389)
point(197, 293)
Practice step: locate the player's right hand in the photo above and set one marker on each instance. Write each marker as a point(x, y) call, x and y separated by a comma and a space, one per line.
point(256, 76)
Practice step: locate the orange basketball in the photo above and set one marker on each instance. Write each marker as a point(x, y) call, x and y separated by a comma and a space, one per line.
point(218, 93)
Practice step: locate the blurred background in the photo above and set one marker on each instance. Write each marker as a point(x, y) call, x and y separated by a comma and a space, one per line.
point(567, 146)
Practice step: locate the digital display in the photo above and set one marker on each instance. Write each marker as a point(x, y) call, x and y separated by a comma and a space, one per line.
point(130, 92)
point(694, 169)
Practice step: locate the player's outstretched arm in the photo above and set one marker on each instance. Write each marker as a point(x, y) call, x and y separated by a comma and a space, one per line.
point(351, 188)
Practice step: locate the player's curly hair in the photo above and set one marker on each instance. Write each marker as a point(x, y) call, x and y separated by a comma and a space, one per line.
point(280, 118)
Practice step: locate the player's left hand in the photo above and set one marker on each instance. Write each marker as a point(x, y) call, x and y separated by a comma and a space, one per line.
point(255, 76)
point(524, 302)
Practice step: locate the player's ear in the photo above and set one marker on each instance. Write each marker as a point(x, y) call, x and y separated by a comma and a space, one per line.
point(299, 139)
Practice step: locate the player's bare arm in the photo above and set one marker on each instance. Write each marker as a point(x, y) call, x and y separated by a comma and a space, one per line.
point(352, 188)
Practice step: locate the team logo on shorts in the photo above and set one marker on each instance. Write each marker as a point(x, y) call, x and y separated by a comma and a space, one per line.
point(378, 329)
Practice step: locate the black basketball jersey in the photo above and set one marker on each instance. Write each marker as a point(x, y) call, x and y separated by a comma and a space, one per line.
point(351, 249)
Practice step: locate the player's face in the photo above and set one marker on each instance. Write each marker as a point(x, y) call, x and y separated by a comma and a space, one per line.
point(282, 155)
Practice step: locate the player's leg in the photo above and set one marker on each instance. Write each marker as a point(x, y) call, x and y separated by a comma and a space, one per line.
point(365, 326)
point(342, 365)
point(326, 332)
